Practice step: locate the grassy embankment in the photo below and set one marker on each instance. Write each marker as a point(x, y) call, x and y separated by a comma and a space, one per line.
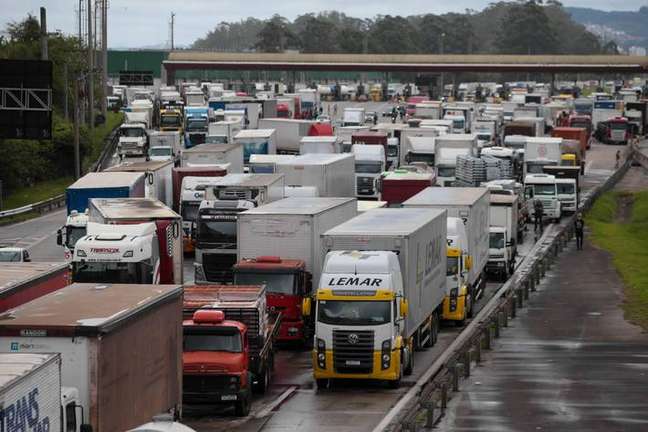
point(624, 233)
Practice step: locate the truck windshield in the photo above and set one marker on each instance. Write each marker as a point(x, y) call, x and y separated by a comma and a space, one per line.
point(446, 172)
point(421, 157)
point(458, 124)
point(73, 234)
point(354, 313)
point(132, 132)
point(496, 240)
point(544, 189)
point(169, 121)
point(196, 125)
point(276, 283)
point(452, 267)
point(368, 167)
point(9, 256)
point(216, 139)
point(618, 126)
point(190, 210)
point(535, 168)
point(112, 272)
point(214, 229)
point(392, 150)
point(565, 188)
point(160, 151)
point(226, 339)
point(484, 137)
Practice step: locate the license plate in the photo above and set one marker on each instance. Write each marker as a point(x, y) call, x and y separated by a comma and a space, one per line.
point(353, 362)
point(228, 397)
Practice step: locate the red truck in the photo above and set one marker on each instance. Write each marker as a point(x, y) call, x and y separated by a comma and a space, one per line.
point(582, 121)
point(573, 133)
point(197, 171)
point(21, 282)
point(228, 344)
point(400, 185)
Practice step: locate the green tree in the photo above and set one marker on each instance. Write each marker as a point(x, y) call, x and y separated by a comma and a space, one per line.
point(526, 30)
point(276, 36)
point(394, 35)
point(431, 28)
point(318, 35)
point(350, 40)
point(460, 36)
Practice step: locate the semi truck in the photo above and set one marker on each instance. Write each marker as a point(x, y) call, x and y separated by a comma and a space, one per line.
point(215, 154)
point(179, 173)
point(120, 348)
point(165, 145)
point(94, 185)
point(503, 235)
point(380, 294)
point(447, 148)
point(256, 141)
point(472, 206)
point(130, 240)
point(228, 344)
point(369, 165)
point(418, 149)
point(133, 140)
point(331, 174)
point(544, 188)
point(223, 132)
point(171, 120)
point(21, 282)
point(157, 183)
point(280, 247)
point(215, 234)
point(196, 125)
point(539, 152)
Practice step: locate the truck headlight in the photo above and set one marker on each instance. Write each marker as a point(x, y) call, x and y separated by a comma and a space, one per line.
point(128, 254)
point(81, 253)
point(321, 353)
point(454, 293)
point(385, 354)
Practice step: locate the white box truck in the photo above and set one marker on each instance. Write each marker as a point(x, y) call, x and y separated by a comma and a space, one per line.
point(223, 132)
point(267, 164)
point(354, 116)
point(380, 294)
point(165, 145)
point(503, 235)
point(215, 154)
point(540, 152)
point(319, 144)
point(472, 206)
point(157, 181)
point(332, 174)
point(256, 141)
point(446, 150)
point(288, 132)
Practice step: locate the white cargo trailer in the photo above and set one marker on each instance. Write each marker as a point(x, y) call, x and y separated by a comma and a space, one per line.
point(157, 181)
point(289, 132)
point(215, 154)
point(256, 141)
point(332, 174)
point(291, 228)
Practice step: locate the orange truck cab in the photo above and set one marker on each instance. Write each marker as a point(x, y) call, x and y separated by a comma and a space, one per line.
point(228, 344)
point(287, 285)
point(582, 121)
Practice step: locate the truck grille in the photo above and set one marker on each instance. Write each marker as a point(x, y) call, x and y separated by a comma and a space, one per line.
point(364, 186)
point(197, 138)
point(218, 267)
point(349, 357)
point(205, 383)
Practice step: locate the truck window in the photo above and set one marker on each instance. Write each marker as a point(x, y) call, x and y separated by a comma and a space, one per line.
point(452, 266)
point(220, 338)
point(565, 188)
point(73, 234)
point(9, 256)
point(496, 240)
point(169, 120)
point(277, 283)
point(368, 167)
point(132, 132)
point(544, 189)
point(618, 126)
point(353, 312)
point(112, 272)
point(190, 211)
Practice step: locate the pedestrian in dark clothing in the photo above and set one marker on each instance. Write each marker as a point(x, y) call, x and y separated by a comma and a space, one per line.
point(538, 211)
point(375, 118)
point(618, 158)
point(579, 225)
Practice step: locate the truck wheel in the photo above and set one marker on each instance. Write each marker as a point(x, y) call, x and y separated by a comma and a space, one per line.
point(322, 384)
point(409, 367)
point(242, 408)
point(435, 329)
point(264, 382)
point(469, 305)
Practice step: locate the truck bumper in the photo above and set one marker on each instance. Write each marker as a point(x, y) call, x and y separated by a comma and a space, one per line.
point(496, 266)
point(454, 310)
point(214, 397)
point(329, 371)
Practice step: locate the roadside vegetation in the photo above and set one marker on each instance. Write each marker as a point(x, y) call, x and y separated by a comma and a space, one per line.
point(619, 223)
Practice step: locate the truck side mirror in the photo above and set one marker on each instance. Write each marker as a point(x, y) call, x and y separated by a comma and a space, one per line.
point(404, 307)
point(59, 238)
point(468, 262)
point(306, 306)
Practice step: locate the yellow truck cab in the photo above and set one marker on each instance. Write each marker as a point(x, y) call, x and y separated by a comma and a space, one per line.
point(457, 304)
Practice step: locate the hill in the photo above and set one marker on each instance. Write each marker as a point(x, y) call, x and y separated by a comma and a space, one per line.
point(631, 24)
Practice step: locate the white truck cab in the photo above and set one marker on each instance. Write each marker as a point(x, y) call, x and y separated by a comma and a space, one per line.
point(567, 194)
point(74, 229)
point(133, 140)
point(458, 123)
point(369, 165)
point(544, 188)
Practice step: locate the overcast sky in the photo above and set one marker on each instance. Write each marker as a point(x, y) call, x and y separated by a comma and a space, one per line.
point(138, 23)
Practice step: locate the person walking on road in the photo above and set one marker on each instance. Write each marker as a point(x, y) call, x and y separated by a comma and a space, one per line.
point(579, 225)
point(538, 210)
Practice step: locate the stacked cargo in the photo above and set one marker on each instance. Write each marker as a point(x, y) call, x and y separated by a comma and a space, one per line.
point(471, 171)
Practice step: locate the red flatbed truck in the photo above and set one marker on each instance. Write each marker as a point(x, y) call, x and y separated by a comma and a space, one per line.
point(228, 344)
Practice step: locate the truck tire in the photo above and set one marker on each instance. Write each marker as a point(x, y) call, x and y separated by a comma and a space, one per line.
point(242, 407)
point(322, 384)
point(409, 367)
point(263, 382)
point(436, 324)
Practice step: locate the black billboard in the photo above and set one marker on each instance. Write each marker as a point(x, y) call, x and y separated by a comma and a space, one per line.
point(136, 78)
point(25, 99)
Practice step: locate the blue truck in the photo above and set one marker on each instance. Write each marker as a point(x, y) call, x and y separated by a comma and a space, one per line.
point(196, 125)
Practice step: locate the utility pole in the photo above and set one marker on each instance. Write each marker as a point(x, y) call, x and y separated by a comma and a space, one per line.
point(77, 157)
point(90, 69)
point(43, 33)
point(172, 28)
point(66, 85)
point(104, 57)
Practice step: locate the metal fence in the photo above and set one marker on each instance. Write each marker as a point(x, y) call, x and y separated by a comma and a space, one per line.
point(427, 400)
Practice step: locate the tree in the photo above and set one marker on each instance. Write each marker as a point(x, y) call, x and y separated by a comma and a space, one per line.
point(276, 36)
point(460, 36)
point(526, 30)
point(350, 40)
point(431, 29)
point(394, 35)
point(318, 36)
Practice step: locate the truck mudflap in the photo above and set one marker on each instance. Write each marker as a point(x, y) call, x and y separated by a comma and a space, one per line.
point(393, 372)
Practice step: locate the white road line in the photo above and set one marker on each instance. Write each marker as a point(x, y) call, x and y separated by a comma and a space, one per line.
point(271, 407)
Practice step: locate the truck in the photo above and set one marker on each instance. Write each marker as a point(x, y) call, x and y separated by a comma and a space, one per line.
point(344, 134)
point(539, 152)
point(228, 344)
point(371, 138)
point(288, 133)
point(94, 185)
point(604, 110)
point(179, 173)
point(369, 165)
point(171, 120)
point(472, 206)
point(447, 148)
point(280, 247)
point(162, 423)
point(380, 294)
point(130, 240)
point(267, 164)
point(21, 282)
point(133, 140)
point(319, 144)
point(165, 145)
point(157, 183)
point(223, 132)
point(573, 133)
point(256, 141)
point(138, 324)
point(331, 174)
point(196, 125)
point(353, 117)
point(428, 110)
point(518, 128)
point(503, 235)
point(400, 185)
point(215, 154)
point(418, 149)
point(215, 234)
point(544, 188)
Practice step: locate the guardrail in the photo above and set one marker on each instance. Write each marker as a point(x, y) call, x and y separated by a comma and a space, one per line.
point(427, 400)
point(110, 144)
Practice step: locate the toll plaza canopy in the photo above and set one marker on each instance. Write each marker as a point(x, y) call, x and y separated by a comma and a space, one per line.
point(198, 60)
